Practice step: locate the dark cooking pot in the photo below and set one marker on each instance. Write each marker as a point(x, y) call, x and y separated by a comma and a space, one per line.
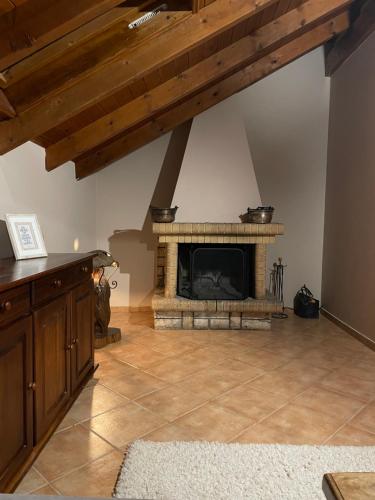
point(163, 214)
point(260, 215)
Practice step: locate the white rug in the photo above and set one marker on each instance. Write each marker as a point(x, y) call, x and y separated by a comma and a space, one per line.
point(200, 470)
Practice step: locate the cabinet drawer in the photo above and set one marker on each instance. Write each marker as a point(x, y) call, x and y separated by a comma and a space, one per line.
point(82, 272)
point(59, 282)
point(14, 303)
point(51, 286)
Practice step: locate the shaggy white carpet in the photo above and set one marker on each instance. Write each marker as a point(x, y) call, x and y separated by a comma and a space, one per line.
point(201, 470)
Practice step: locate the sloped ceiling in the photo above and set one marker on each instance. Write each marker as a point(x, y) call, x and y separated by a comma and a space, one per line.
point(76, 80)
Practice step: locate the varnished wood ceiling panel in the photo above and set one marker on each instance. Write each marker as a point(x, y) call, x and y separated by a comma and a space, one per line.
point(171, 69)
point(122, 145)
point(99, 90)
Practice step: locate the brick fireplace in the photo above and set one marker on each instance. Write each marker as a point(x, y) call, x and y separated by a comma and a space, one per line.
point(213, 276)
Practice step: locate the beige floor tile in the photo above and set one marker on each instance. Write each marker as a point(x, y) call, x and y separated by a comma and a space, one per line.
point(260, 433)
point(303, 425)
point(351, 436)
point(359, 369)
point(253, 339)
point(96, 479)
point(359, 388)
point(138, 355)
point(365, 420)
point(297, 369)
point(95, 400)
point(263, 359)
point(112, 368)
point(147, 338)
point(214, 423)
point(124, 424)
point(46, 490)
point(172, 401)
point(135, 384)
point(249, 402)
point(175, 347)
point(66, 423)
point(220, 378)
point(216, 353)
point(173, 432)
point(275, 383)
point(68, 450)
point(286, 349)
point(323, 359)
point(175, 369)
point(329, 402)
point(32, 481)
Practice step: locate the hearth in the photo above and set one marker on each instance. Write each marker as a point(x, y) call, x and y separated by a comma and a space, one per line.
point(213, 275)
point(216, 271)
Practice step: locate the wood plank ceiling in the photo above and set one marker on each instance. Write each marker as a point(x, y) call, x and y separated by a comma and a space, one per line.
point(77, 81)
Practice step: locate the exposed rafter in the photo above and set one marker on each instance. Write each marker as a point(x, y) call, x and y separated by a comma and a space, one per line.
point(35, 23)
point(210, 70)
point(75, 79)
point(123, 145)
point(125, 69)
point(42, 58)
point(6, 109)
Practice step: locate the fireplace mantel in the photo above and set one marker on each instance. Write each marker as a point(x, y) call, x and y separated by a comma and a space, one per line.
point(172, 311)
point(210, 232)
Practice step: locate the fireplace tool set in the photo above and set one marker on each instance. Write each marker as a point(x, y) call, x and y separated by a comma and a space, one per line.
point(277, 286)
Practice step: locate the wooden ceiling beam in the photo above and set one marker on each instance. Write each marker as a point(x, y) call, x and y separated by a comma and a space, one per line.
point(348, 42)
point(212, 69)
point(55, 51)
point(6, 109)
point(36, 23)
point(124, 144)
point(123, 71)
point(75, 65)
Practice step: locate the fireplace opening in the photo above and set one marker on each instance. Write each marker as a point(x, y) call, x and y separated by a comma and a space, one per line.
point(216, 271)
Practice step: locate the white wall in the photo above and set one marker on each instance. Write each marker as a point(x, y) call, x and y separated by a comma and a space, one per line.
point(65, 208)
point(286, 117)
point(123, 195)
point(217, 180)
point(286, 120)
point(349, 243)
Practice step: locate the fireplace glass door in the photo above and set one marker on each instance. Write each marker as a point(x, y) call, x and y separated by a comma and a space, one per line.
point(216, 272)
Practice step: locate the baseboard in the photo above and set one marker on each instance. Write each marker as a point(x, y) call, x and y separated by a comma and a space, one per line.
point(128, 309)
point(349, 329)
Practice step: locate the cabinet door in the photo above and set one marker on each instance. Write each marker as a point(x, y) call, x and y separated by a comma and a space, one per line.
point(82, 332)
point(16, 397)
point(52, 362)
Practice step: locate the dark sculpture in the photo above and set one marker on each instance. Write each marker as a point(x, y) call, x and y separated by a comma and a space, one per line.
point(103, 334)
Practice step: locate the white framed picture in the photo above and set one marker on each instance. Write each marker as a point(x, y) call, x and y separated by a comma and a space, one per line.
point(25, 236)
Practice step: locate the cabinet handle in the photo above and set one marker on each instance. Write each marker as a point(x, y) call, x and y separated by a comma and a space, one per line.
point(84, 269)
point(32, 386)
point(6, 306)
point(57, 283)
point(69, 347)
point(75, 341)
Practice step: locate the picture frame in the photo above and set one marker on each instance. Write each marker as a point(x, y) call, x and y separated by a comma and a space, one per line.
point(25, 236)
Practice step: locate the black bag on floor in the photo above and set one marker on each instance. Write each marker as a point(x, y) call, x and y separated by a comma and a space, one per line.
point(305, 305)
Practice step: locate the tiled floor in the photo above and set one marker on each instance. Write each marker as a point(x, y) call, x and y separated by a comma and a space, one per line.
point(305, 382)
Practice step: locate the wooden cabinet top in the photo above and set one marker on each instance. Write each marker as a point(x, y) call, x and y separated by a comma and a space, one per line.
point(16, 272)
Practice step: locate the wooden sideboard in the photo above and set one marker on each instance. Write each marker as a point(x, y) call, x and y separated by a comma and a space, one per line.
point(46, 352)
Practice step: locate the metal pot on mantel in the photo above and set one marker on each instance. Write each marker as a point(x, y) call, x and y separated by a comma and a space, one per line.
point(163, 214)
point(260, 215)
